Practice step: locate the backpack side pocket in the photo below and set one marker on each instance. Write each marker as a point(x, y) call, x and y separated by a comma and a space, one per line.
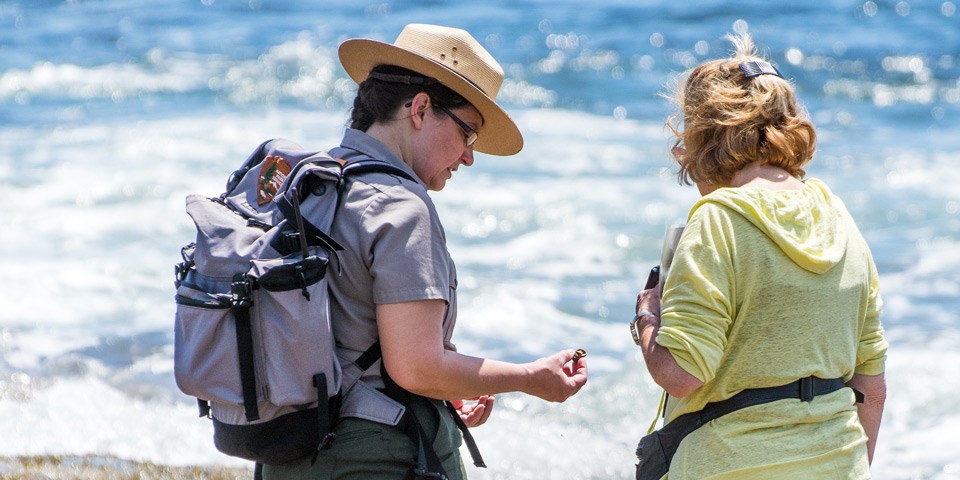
point(295, 339)
point(204, 337)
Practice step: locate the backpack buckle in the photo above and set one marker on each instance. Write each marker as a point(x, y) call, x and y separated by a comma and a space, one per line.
point(181, 269)
point(241, 291)
point(180, 272)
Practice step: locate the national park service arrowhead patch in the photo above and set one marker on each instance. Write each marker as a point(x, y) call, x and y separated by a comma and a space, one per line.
point(274, 171)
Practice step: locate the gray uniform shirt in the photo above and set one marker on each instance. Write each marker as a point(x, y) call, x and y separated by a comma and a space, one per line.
point(395, 252)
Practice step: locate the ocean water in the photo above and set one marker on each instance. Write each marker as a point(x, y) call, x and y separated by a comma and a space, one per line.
point(111, 112)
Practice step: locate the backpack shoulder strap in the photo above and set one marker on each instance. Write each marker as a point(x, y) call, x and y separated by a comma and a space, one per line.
point(369, 166)
point(322, 164)
point(369, 357)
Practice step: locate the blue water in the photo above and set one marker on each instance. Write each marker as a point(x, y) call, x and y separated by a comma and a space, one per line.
point(112, 111)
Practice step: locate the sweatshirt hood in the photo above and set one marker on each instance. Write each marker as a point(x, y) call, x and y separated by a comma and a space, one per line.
point(808, 224)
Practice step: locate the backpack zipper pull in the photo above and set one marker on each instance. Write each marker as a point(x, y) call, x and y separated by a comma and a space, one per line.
point(300, 230)
point(303, 281)
point(303, 242)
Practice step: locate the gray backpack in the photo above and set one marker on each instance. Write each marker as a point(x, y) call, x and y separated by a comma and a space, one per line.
point(253, 339)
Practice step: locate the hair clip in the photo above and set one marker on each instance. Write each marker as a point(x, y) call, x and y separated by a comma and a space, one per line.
point(407, 79)
point(759, 67)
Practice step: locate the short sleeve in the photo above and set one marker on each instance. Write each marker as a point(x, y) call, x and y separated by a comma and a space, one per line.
point(408, 255)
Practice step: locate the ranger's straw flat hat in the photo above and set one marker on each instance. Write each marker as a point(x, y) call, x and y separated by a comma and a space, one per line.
point(457, 60)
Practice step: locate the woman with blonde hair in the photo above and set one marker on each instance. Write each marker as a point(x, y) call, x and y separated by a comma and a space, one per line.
point(771, 307)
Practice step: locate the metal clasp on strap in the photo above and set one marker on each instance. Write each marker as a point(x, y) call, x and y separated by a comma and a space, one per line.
point(302, 280)
point(422, 472)
point(181, 269)
point(180, 272)
point(241, 291)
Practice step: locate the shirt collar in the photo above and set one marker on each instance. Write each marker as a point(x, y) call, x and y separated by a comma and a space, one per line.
point(357, 145)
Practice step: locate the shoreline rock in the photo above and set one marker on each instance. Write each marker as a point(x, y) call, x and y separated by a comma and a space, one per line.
point(100, 467)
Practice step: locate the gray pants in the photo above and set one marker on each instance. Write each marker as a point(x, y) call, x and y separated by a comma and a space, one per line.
point(365, 450)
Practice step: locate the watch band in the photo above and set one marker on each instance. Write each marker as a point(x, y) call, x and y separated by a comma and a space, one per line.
point(633, 325)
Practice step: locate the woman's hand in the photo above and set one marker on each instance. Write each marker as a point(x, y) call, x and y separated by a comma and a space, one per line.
point(474, 415)
point(649, 300)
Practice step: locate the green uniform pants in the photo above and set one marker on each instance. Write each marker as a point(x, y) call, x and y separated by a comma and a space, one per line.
point(365, 450)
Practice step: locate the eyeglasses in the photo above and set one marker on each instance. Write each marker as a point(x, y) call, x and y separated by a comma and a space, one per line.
point(469, 133)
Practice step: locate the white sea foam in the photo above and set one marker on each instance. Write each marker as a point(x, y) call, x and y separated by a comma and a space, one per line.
point(301, 70)
point(592, 435)
point(87, 416)
point(136, 106)
point(551, 246)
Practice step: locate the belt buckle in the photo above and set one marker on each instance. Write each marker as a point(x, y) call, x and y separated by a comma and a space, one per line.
point(808, 389)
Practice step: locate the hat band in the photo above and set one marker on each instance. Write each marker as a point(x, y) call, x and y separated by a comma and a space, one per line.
point(412, 80)
point(406, 79)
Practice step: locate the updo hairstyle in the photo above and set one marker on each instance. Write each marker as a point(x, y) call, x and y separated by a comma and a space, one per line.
point(727, 120)
point(378, 99)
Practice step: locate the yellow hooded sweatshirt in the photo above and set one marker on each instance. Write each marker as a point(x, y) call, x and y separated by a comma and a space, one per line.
point(767, 287)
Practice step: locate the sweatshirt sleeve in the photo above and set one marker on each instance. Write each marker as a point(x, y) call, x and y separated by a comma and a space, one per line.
point(697, 310)
point(872, 348)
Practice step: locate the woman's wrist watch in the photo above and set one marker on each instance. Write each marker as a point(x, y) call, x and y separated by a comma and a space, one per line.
point(633, 325)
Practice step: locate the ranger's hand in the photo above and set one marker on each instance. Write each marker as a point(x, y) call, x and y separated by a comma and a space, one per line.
point(474, 415)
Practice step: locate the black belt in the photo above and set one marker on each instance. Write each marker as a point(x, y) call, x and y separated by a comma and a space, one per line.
point(655, 451)
point(804, 389)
